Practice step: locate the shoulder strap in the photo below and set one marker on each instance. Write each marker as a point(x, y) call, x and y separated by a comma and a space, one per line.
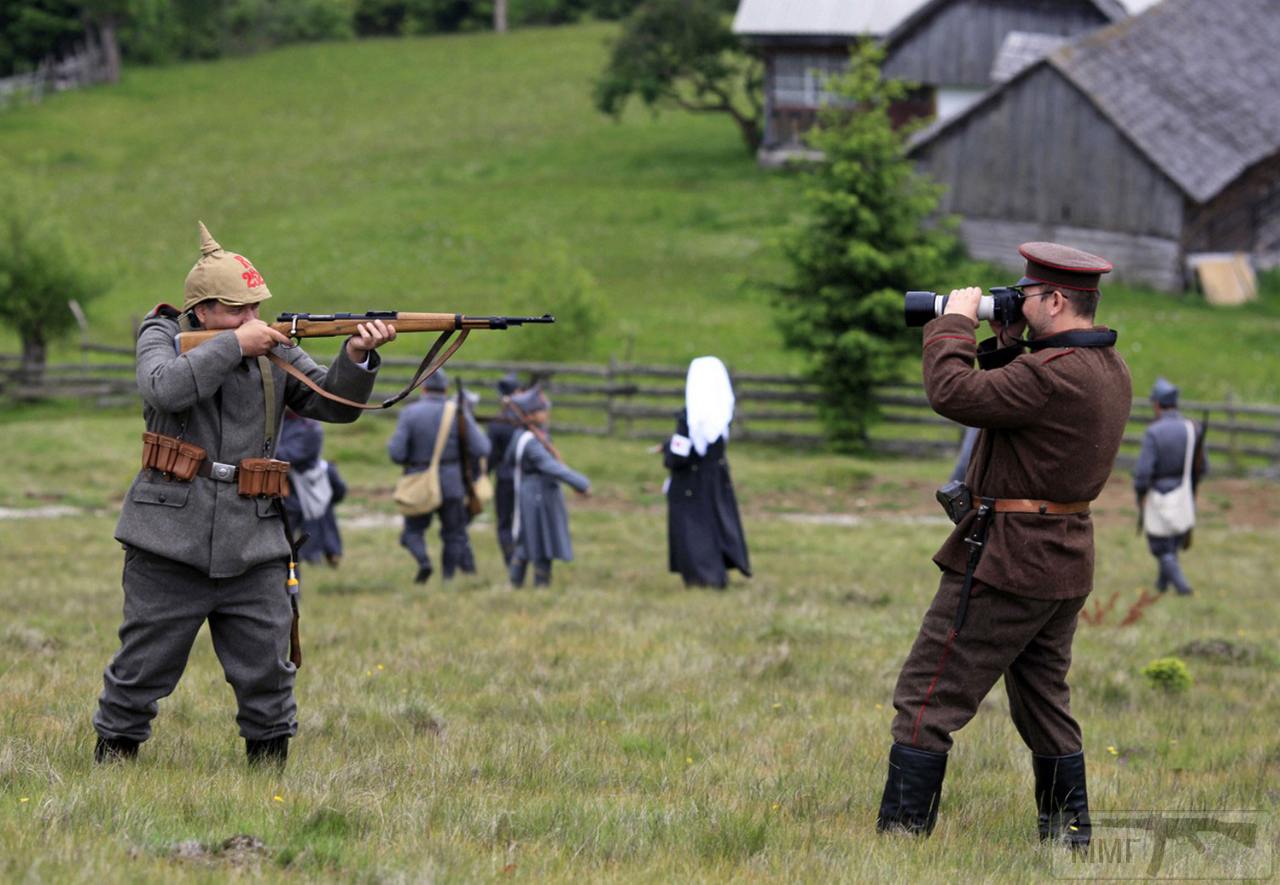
point(442, 435)
point(269, 404)
point(1191, 450)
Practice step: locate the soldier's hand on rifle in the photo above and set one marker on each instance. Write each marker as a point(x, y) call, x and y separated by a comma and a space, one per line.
point(369, 336)
point(257, 338)
point(965, 303)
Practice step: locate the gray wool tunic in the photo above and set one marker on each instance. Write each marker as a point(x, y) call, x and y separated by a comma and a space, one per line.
point(213, 397)
point(542, 522)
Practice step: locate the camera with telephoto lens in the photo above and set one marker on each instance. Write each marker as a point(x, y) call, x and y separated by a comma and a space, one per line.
point(1004, 305)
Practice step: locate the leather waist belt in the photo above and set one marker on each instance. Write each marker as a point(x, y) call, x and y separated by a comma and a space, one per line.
point(218, 471)
point(1030, 505)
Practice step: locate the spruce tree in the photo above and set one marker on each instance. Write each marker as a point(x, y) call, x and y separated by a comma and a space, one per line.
point(867, 236)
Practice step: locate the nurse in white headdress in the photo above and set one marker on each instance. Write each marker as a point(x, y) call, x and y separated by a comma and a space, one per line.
point(704, 531)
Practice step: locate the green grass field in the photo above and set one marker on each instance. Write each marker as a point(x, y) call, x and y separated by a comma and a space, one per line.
point(615, 727)
point(450, 173)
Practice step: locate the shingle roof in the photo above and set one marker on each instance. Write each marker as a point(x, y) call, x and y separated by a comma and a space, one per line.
point(1021, 49)
point(1194, 84)
point(1112, 10)
point(842, 18)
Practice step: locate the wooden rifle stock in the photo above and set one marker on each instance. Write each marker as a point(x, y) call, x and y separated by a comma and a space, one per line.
point(321, 325)
point(330, 325)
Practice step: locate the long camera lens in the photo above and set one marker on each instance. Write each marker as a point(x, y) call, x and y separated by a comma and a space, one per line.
point(920, 307)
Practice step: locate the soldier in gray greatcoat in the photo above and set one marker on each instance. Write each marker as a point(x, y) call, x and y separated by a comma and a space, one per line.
point(541, 525)
point(1160, 468)
point(412, 445)
point(198, 549)
point(500, 431)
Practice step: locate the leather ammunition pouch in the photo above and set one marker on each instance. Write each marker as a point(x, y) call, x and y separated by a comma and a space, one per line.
point(263, 478)
point(184, 461)
point(171, 456)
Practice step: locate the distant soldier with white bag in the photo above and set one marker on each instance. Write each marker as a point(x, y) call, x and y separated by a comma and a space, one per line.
point(1165, 479)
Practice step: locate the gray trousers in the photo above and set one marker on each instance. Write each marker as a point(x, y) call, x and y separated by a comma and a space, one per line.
point(457, 555)
point(165, 603)
point(1165, 550)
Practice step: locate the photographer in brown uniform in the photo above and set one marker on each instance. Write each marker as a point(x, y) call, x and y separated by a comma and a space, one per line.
point(1051, 411)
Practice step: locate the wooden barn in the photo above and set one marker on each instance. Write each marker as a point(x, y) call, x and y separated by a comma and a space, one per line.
point(1147, 142)
point(948, 47)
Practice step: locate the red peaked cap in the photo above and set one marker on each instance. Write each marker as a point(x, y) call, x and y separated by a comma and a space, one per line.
point(1057, 265)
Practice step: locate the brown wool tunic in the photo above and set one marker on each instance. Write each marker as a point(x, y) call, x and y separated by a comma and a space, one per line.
point(1051, 423)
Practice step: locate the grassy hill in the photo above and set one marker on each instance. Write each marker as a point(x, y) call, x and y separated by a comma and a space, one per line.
point(451, 173)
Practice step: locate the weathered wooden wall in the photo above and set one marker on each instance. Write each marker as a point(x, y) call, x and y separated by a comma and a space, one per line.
point(1156, 261)
point(957, 45)
point(1038, 161)
point(1245, 217)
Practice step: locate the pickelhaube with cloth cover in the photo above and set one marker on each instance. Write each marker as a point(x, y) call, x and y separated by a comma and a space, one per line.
point(1164, 394)
point(223, 276)
point(1052, 264)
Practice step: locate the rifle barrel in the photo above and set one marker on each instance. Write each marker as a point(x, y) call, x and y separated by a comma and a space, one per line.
point(328, 325)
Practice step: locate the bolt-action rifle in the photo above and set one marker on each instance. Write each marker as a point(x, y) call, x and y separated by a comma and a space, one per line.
point(328, 325)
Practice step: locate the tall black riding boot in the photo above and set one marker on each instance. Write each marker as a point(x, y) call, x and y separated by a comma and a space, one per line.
point(272, 751)
point(1062, 800)
point(114, 749)
point(913, 791)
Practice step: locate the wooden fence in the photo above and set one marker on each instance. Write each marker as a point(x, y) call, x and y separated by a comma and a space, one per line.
point(84, 67)
point(638, 401)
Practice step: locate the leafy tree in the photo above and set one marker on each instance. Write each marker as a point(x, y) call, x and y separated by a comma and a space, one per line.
point(552, 282)
point(681, 53)
point(32, 31)
point(39, 275)
point(867, 238)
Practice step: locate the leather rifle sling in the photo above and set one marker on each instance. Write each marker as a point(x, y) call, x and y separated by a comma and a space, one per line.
point(429, 366)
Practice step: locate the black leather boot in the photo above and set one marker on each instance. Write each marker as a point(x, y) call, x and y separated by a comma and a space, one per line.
point(1062, 800)
point(272, 751)
point(115, 750)
point(912, 792)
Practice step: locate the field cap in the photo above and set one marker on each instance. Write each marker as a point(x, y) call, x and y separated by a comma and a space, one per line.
point(224, 276)
point(531, 400)
point(1053, 264)
point(438, 382)
point(1164, 393)
point(508, 384)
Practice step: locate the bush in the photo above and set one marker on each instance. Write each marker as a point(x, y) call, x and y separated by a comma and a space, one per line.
point(1168, 674)
point(39, 274)
point(553, 283)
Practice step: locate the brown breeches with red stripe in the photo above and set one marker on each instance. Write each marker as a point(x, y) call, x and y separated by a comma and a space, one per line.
point(948, 673)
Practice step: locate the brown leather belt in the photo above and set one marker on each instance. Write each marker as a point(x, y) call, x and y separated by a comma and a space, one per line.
point(1030, 505)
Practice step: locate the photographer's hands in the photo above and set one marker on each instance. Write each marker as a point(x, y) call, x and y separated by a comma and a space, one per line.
point(965, 303)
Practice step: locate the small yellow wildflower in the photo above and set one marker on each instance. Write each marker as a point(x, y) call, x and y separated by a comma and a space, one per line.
point(380, 667)
point(777, 706)
point(776, 806)
point(368, 672)
point(25, 799)
point(1113, 751)
point(277, 798)
point(688, 760)
point(879, 706)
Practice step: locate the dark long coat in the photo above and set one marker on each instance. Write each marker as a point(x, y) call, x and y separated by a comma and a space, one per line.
point(704, 532)
point(1051, 422)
